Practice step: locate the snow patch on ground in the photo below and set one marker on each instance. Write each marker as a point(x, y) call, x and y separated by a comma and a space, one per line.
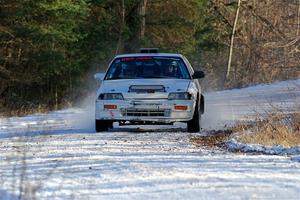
point(68, 160)
point(232, 144)
point(295, 158)
point(225, 108)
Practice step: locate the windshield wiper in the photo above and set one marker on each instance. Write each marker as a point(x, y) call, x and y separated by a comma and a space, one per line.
point(121, 78)
point(157, 77)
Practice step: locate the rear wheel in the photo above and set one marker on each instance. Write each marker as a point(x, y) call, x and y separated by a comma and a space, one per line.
point(102, 125)
point(193, 125)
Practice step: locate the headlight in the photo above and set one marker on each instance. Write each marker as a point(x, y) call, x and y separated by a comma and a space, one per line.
point(180, 96)
point(111, 96)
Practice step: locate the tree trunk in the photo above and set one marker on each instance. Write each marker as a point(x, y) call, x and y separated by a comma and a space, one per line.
point(298, 20)
point(120, 40)
point(3, 87)
point(142, 13)
point(232, 39)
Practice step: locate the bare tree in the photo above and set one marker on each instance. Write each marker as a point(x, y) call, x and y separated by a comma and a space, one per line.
point(232, 39)
point(142, 13)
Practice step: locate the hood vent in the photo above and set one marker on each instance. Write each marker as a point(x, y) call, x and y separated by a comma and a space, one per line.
point(146, 88)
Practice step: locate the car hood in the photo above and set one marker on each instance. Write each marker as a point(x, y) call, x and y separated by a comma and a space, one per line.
point(123, 86)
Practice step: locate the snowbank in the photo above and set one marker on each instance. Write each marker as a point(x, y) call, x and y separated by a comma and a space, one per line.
point(295, 158)
point(232, 144)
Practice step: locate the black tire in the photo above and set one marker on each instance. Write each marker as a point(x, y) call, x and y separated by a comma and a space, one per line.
point(202, 105)
point(193, 125)
point(102, 125)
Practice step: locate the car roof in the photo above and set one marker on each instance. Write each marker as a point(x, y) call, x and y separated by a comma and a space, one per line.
point(149, 54)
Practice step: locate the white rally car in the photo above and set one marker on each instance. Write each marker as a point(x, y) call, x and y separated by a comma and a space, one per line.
point(149, 88)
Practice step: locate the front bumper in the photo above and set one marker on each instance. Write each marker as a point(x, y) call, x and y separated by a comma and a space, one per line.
point(162, 111)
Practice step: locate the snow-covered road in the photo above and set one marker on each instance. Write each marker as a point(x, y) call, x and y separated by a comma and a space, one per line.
point(59, 156)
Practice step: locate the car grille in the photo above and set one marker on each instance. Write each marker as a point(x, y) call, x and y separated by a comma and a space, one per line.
point(146, 88)
point(145, 113)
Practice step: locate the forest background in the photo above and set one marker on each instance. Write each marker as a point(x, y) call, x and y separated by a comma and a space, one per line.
point(50, 49)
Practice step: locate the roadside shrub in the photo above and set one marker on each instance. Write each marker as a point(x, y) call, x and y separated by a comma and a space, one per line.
point(276, 129)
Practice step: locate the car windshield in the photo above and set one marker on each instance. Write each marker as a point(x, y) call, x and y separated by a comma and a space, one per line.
point(147, 67)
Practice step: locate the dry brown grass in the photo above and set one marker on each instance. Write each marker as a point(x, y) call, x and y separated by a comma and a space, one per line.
point(276, 129)
point(29, 109)
point(213, 138)
point(22, 111)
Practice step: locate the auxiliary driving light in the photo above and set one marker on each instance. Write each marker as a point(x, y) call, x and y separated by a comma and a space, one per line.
point(180, 107)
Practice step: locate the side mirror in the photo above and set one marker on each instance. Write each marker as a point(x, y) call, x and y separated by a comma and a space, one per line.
point(198, 75)
point(99, 76)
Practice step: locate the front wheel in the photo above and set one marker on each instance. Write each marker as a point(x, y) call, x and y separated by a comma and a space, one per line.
point(102, 125)
point(193, 125)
